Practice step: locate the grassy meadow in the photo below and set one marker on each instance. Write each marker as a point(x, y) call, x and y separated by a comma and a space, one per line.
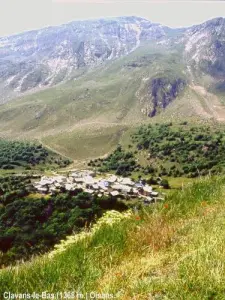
point(172, 250)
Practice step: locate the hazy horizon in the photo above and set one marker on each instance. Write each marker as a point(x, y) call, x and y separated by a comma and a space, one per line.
point(17, 16)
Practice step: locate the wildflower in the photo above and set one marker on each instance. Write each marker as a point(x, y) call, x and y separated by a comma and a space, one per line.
point(109, 218)
point(137, 218)
point(166, 205)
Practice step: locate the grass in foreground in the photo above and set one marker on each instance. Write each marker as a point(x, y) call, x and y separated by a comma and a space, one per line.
point(172, 250)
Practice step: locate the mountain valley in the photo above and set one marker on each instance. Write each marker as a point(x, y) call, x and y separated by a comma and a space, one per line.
point(152, 71)
point(112, 164)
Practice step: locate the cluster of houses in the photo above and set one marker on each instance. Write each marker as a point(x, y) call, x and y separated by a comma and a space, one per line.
point(93, 183)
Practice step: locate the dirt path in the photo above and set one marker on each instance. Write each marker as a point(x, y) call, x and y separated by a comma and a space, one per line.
point(94, 124)
point(212, 104)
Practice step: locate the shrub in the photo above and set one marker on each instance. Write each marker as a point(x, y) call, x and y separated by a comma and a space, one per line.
point(165, 184)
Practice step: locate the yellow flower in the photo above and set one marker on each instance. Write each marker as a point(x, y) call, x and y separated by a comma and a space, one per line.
point(109, 218)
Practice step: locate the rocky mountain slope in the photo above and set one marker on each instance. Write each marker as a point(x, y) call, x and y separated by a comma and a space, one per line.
point(205, 47)
point(114, 73)
point(51, 55)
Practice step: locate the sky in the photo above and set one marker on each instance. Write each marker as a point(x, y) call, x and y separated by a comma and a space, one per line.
point(22, 15)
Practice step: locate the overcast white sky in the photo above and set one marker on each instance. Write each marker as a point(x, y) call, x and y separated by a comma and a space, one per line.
point(22, 15)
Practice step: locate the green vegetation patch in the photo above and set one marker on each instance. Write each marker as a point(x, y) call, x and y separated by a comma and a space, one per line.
point(172, 250)
point(182, 150)
point(32, 224)
point(168, 150)
point(121, 162)
point(15, 154)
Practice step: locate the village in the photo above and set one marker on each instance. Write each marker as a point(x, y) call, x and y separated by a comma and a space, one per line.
point(94, 183)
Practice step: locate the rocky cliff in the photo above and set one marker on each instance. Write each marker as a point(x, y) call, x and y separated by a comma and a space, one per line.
point(205, 48)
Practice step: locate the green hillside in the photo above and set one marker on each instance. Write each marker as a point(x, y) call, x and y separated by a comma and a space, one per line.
point(97, 107)
point(107, 98)
point(31, 223)
point(167, 149)
point(172, 250)
point(16, 155)
point(119, 96)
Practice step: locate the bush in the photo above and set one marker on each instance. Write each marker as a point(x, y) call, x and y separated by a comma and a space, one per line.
point(165, 184)
point(191, 148)
point(151, 181)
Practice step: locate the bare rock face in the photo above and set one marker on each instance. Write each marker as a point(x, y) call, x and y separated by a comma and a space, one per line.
point(159, 92)
point(205, 47)
point(51, 55)
point(163, 91)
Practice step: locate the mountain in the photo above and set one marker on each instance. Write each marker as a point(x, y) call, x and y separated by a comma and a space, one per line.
point(205, 48)
point(51, 55)
point(96, 79)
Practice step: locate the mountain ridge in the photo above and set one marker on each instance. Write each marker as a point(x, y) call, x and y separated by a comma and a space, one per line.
point(29, 61)
point(156, 81)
